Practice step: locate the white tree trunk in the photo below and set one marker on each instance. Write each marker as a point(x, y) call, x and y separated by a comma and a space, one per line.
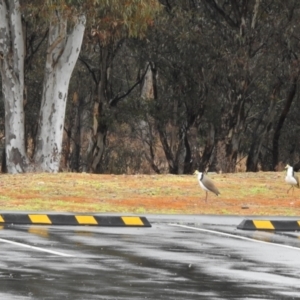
point(62, 54)
point(12, 53)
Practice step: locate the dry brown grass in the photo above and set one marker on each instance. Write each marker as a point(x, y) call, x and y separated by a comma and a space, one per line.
point(263, 193)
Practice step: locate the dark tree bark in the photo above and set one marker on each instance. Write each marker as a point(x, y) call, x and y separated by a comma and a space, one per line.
point(290, 97)
point(206, 158)
point(259, 136)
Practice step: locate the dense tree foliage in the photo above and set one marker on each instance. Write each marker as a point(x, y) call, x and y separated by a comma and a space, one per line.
point(170, 86)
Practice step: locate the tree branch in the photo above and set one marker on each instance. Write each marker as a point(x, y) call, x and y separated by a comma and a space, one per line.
point(29, 57)
point(216, 8)
point(82, 59)
point(114, 101)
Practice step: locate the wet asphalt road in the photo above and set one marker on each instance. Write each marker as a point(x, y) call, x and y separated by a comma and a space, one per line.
point(180, 257)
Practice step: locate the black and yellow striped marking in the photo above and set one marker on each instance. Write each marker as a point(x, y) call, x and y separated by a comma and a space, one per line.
point(70, 219)
point(278, 225)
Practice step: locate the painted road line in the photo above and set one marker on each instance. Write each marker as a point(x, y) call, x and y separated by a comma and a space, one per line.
point(73, 220)
point(235, 236)
point(35, 248)
point(278, 225)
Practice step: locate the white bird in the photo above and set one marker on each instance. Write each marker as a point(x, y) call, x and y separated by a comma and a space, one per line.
point(206, 184)
point(291, 178)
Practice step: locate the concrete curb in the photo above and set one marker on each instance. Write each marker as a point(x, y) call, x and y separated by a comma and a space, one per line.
point(278, 225)
point(73, 220)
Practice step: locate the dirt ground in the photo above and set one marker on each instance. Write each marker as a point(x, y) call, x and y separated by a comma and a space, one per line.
point(263, 193)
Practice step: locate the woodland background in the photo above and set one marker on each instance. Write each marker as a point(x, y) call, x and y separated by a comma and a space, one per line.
point(211, 85)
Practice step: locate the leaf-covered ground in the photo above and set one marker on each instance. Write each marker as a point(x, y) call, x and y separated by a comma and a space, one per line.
point(263, 193)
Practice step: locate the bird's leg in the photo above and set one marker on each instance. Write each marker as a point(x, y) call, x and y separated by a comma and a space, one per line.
point(289, 189)
point(206, 197)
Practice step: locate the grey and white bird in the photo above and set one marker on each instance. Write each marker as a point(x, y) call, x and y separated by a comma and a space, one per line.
point(206, 184)
point(291, 178)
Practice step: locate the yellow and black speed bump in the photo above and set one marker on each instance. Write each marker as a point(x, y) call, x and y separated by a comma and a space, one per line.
point(278, 225)
point(70, 219)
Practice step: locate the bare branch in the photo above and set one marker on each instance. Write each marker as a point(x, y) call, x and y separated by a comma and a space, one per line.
point(29, 57)
point(114, 101)
point(90, 68)
point(216, 8)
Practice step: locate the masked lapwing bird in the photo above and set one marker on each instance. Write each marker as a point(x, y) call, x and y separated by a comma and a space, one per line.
point(291, 178)
point(206, 184)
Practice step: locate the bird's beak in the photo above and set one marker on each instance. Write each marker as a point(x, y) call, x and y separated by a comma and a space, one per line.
point(287, 166)
point(196, 172)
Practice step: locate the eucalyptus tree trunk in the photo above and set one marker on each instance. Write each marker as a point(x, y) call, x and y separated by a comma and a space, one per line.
point(86, 133)
point(146, 127)
point(207, 155)
point(233, 120)
point(62, 54)
point(12, 53)
point(259, 136)
point(100, 127)
point(288, 102)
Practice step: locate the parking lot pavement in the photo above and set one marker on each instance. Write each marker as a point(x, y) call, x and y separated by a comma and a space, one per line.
point(179, 257)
